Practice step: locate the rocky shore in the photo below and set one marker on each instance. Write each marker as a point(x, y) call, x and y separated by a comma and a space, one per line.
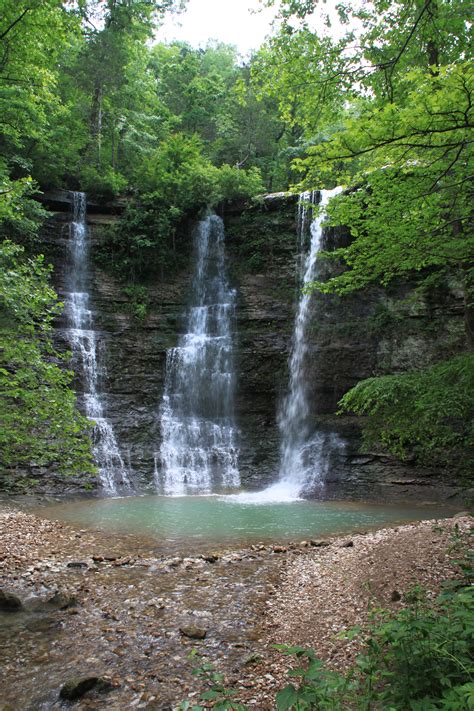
point(106, 621)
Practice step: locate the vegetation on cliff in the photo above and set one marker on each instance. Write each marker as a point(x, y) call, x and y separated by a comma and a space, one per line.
point(41, 426)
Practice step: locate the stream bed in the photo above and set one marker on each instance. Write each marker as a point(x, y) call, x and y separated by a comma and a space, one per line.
point(141, 572)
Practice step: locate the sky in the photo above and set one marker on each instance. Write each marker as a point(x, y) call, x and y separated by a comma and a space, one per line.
point(229, 21)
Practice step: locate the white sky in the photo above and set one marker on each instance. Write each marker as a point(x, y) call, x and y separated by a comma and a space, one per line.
point(229, 21)
point(242, 23)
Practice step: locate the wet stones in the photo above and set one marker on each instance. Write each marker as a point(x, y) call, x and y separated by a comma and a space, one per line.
point(78, 686)
point(42, 625)
point(319, 543)
point(193, 632)
point(77, 564)
point(9, 602)
point(172, 562)
point(61, 601)
point(211, 557)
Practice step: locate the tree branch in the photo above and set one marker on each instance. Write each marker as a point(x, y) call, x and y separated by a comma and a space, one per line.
point(15, 22)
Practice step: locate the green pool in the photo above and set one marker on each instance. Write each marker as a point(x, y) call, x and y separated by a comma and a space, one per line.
point(230, 519)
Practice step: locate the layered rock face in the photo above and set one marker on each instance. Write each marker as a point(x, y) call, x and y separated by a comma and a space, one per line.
point(351, 338)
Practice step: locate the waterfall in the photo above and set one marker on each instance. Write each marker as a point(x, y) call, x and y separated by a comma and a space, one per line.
point(198, 452)
point(83, 340)
point(303, 455)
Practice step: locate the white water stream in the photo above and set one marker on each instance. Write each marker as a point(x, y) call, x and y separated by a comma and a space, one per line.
point(198, 453)
point(82, 337)
point(304, 454)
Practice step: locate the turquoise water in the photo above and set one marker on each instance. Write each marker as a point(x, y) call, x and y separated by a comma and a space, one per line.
point(231, 519)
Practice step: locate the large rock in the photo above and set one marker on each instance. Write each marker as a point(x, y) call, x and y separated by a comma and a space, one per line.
point(193, 632)
point(76, 687)
point(9, 602)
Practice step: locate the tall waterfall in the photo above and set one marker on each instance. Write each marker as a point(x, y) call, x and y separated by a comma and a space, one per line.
point(199, 440)
point(83, 340)
point(303, 454)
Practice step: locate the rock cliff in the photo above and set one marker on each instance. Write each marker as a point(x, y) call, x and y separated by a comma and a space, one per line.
point(352, 338)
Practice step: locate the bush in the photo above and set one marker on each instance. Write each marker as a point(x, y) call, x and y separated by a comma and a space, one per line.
point(427, 413)
point(102, 183)
point(235, 183)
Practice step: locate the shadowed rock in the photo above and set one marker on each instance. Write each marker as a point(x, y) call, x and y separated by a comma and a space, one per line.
point(9, 602)
point(78, 686)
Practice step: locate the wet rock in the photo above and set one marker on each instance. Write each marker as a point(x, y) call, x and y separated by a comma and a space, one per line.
point(9, 602)
point(347, 544)
point(78, 686)
point(193, 632)
point(211, 557)
point(43, 624)
point(61, 601)
point(77, 564)
point(319, 543)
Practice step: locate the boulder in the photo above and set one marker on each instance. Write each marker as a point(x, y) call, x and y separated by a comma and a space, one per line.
point(61, 601)
point(9, 602)
point(76, 687)
point(193, 632)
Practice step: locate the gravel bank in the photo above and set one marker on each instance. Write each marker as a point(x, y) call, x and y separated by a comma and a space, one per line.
point(335, 587)
point(134, 603)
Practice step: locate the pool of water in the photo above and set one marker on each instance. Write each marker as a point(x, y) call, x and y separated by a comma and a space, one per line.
point(231, 519)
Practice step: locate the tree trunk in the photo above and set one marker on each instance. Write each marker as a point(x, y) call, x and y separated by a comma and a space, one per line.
point(96, 117)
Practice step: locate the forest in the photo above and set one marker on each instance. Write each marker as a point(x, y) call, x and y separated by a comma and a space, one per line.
point(376, 98)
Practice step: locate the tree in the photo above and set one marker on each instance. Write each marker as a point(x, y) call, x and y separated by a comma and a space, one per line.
point(401, 140)
point(40, 423)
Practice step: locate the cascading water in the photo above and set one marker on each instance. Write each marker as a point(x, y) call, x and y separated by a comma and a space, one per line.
point(304, 454)
point(198, 454)
point(82, 337)
point(305, 203)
